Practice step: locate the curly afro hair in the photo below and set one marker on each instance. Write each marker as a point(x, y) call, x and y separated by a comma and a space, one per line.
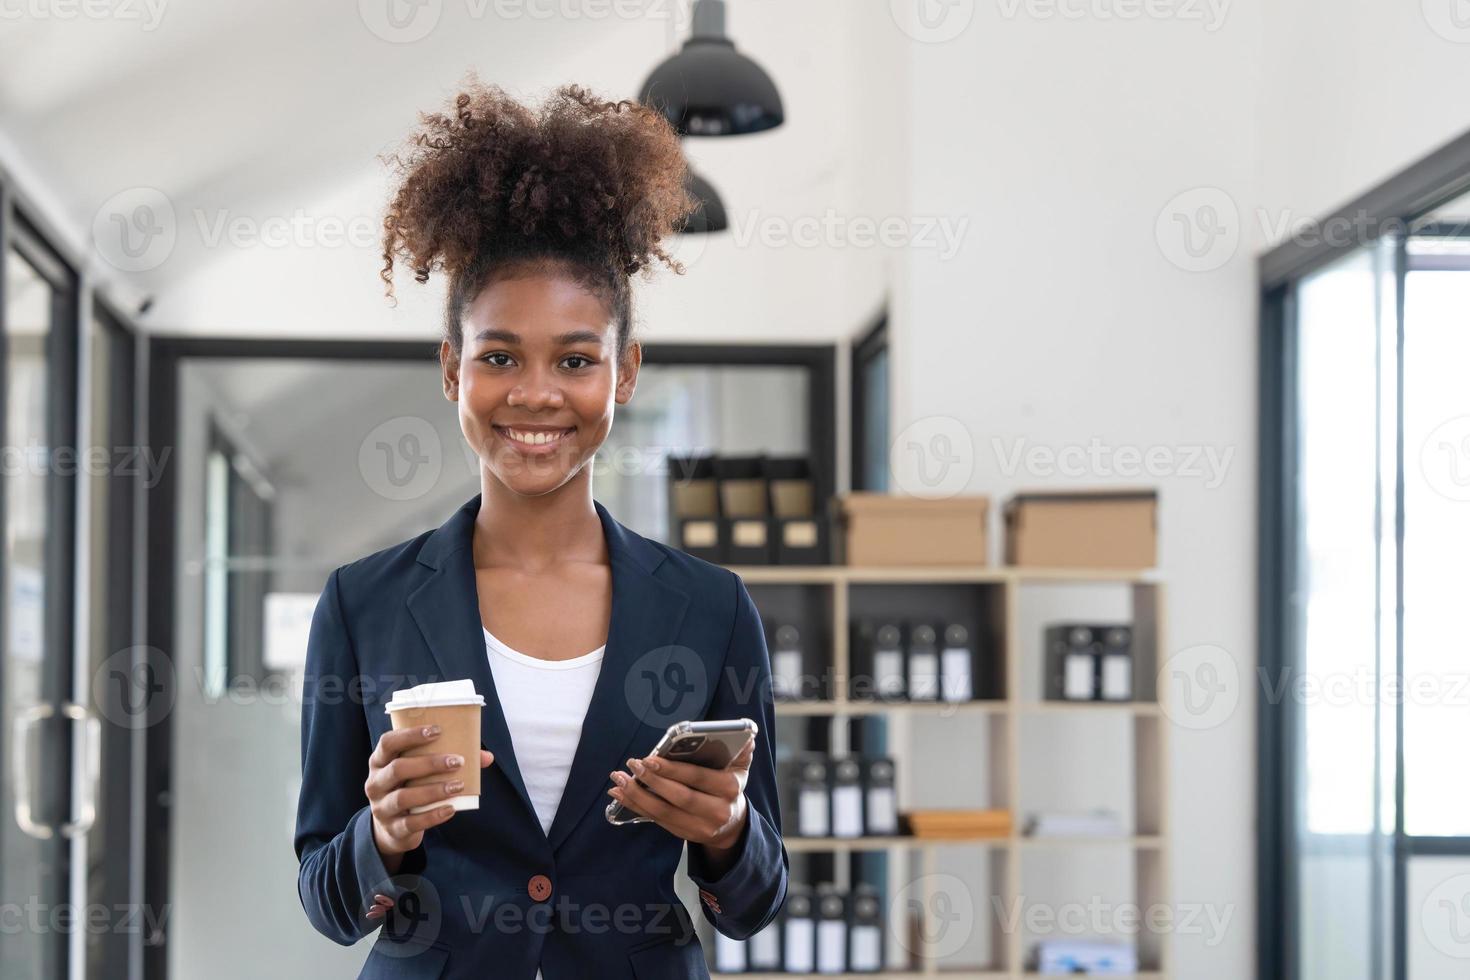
point(494, 188)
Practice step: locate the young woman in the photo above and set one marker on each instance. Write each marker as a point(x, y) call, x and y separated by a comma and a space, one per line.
point(585, 639)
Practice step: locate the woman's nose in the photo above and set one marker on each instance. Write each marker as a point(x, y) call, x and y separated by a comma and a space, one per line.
point(536, 395)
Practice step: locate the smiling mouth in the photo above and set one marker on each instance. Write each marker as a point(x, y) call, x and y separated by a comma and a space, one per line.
point(533, 439)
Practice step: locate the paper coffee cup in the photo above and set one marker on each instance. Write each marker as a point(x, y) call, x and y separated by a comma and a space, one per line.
point(455, 708)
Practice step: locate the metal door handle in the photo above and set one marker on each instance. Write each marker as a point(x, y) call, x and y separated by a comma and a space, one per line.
point(88, 748)
point(20, 770)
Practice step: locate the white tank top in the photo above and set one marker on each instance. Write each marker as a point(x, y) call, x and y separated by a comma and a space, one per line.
point(544, 702)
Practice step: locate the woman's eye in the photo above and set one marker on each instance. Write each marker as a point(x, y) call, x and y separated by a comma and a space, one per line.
point(577, 361)
point(497, 359)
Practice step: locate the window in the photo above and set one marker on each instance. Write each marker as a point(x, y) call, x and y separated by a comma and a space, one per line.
point(1365, 672)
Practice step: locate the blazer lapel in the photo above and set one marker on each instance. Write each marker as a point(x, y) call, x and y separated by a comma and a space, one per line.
point(446, 608)
point(646, 616)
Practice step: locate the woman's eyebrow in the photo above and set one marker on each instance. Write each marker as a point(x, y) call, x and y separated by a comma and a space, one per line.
point(510, 337)
point(579, 337)
point(503, 336)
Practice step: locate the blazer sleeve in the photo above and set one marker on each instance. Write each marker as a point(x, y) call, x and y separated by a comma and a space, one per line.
point(341, 868)
point(747, 895)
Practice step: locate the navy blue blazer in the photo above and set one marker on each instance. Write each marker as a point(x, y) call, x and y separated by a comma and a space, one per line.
point(684, 642)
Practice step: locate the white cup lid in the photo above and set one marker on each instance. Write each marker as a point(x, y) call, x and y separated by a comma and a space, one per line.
point(435, 695)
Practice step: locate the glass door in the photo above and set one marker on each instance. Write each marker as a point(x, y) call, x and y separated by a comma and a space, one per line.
point(37, 322)
point(1342, 621)
point(1369, 698)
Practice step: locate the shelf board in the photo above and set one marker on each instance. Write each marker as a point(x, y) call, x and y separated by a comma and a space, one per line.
point(963, 574)
point(1137, 576)
point(844, 844)
point(1142, 843)
point(788, 574)
point(885, 975)
point(824, 707)
point(1146, 709)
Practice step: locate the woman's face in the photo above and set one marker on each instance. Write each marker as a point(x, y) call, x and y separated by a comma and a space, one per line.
point(537, 378)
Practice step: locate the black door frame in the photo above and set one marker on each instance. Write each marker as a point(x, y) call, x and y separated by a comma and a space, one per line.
point(19, 234)
point(1394, 207)
point(868, 347)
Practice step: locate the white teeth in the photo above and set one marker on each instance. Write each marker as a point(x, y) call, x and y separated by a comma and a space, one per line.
point(534, 438)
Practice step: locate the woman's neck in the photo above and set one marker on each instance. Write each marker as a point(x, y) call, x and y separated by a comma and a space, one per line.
point(535, 533)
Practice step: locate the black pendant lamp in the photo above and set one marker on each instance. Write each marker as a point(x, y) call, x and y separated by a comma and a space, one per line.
point(710, 214)
point(709, 88)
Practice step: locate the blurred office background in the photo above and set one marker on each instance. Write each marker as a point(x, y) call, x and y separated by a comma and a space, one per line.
point(1217, 248)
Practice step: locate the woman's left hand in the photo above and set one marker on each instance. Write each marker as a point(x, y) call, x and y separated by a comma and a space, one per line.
point(703, 806)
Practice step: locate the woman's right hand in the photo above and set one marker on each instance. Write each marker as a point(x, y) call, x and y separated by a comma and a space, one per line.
point(396, 831)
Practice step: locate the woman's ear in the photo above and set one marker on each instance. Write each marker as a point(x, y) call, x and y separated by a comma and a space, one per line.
point(449, 364)
point(628, 366)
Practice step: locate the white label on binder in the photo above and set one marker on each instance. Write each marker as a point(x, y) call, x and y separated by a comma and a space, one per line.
point(888, 673)
point(924, 676)
point(799, 534)
point(701, 534)
point(1077, 677)
point(748, 534)
point(765, 949)
point(787, 674)
point(882, 811)
point(812, 813)
point(867, 949)
point(729, 954)
point(800, 939)
point(847, 811)
point(955, 662)
point(1117, 677)
point(831, 946)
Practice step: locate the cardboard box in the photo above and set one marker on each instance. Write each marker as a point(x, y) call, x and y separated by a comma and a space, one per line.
point(879, 529)
point(1096, 529)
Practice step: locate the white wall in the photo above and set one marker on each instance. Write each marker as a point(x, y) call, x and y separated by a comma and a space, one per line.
point(1057, 142)
point(1352, 93)
point(1062, 321)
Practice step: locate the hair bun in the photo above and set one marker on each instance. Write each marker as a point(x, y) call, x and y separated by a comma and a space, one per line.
point(599, 182)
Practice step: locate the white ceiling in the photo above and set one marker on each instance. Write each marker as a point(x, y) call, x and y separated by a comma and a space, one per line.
point(276, 109)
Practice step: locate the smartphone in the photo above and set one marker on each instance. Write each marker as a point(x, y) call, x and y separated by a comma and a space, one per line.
point(712, 744)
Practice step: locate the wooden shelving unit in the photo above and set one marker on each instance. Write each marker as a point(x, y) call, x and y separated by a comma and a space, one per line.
point(1012, 708)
